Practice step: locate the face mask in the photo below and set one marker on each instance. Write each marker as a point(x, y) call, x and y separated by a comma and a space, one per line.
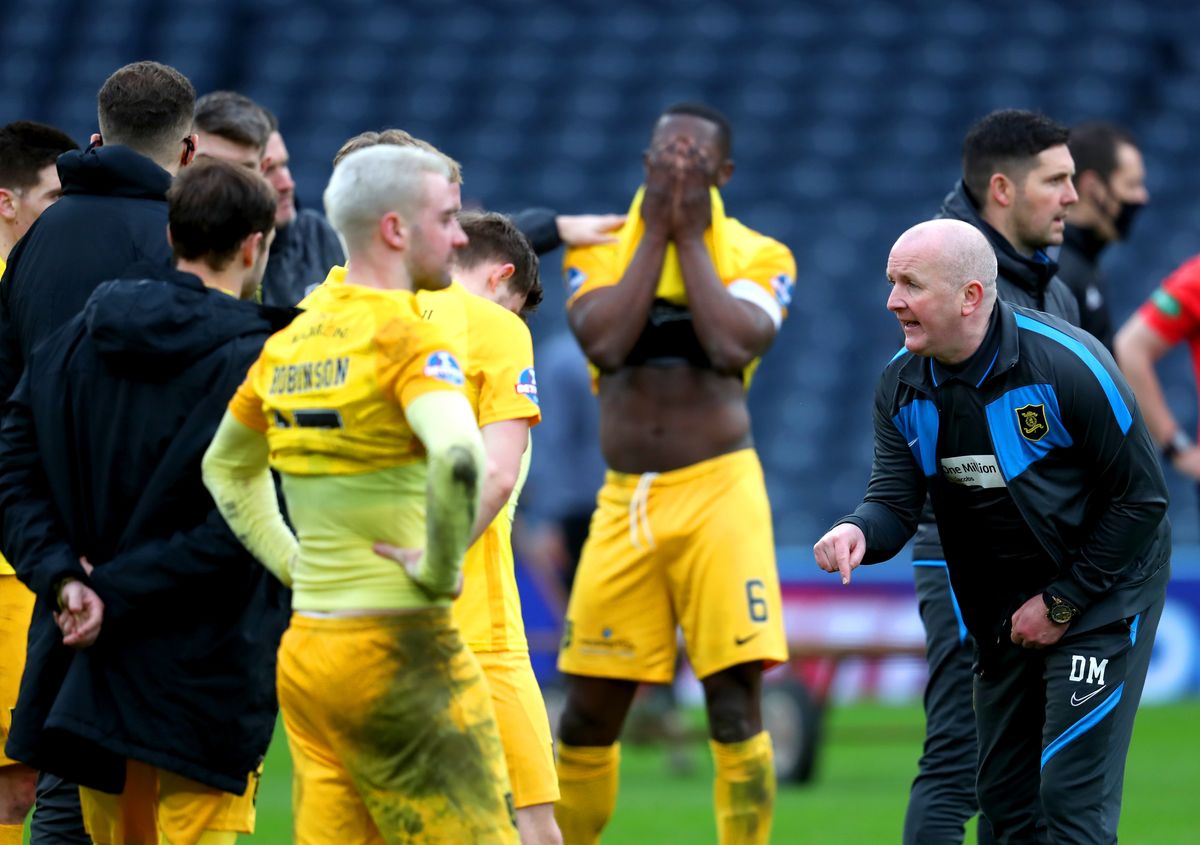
point(1123, 222)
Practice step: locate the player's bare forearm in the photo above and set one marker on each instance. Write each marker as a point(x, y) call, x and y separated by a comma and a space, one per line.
point(607, 322)
point(732, 332)
point(504, 443)
point(1138, 348)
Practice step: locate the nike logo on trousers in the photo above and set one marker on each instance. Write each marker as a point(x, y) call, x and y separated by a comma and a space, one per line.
point(1076, 699)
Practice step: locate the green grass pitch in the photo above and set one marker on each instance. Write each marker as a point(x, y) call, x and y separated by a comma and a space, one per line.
point(860, 790)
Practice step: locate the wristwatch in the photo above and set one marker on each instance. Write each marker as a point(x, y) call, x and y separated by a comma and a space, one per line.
point(1058, 611)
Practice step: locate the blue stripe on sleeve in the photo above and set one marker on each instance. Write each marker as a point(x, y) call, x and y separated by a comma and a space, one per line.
point(1117, 402)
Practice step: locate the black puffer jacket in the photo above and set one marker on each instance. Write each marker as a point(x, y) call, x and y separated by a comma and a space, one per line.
point(100, 457)
point(113, 213)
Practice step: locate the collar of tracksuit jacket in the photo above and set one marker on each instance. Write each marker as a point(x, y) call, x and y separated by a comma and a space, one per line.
point(112, 171)
point(925, 375)
point(1031, 274)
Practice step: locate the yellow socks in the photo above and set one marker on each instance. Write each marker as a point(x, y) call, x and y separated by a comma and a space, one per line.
point(587, 779)
point(10, 834)
point(744, 790)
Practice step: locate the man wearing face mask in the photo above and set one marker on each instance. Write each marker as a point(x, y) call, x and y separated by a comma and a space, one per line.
point(1111, 181)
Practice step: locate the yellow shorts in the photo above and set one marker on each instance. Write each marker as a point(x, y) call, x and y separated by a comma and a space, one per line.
point(158, 805)
point(392, 734)
point(524, 726)
point(16, 609)
point(692, 547)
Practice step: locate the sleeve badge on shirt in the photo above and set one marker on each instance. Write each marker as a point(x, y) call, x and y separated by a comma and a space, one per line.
point(782, 286)
point(527, 385)
point(574, 277)
point(443, 366)
point(1167, 304)
point(1031, 419)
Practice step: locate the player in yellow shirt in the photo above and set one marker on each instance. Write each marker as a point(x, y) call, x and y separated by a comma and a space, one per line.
point(28, 186)
point(494, 275)
point(359, 406)
point(674, 317)
point(500, 268)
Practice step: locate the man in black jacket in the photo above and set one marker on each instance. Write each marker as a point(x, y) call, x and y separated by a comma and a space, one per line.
point(1052, 511)
point(1111, 181)
point(113, 213)
point(151, 654)
point(1016, 189)
point(305, 246)
point(28, 186)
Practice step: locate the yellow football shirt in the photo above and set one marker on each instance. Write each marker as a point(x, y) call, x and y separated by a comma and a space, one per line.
point(752, 266)
point(501, 385)
point(329, 392)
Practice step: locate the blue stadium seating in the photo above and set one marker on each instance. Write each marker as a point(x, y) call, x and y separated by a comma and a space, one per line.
point(848, 119)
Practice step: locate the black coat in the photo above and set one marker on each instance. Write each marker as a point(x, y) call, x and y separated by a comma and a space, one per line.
point(113, 213)
point(1079, 268)
point(100, 455)
point(302, 254)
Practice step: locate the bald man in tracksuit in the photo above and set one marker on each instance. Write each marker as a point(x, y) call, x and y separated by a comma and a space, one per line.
point(1051, 506)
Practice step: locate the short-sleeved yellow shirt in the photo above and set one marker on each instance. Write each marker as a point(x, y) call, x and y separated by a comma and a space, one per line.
point(752, 266)
point(501, 385)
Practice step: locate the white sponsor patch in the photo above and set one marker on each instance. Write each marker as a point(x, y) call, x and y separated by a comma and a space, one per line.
point(973, 471)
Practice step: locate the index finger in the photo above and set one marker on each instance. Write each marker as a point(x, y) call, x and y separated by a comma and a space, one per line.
point(842, 554)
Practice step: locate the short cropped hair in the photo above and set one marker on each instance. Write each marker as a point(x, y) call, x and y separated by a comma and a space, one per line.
point(397, 138)
point(1094, 147)
point(1006, 142)
point(147, 107)
point(234, 117)
point(370, 182)
point(272, 120)
point(26, 148)
point(713, 116)
point(213, 206)
point(494, 237)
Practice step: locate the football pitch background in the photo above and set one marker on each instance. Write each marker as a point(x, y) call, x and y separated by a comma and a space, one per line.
point(858, 794)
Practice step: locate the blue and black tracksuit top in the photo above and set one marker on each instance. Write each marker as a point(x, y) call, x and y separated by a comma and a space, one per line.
point(1042, 475)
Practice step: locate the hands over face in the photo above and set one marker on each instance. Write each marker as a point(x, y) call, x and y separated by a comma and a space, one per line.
point(677, 202)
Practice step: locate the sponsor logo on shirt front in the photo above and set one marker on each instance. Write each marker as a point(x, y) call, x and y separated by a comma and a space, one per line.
point(527, 385)
point(443, 366)
point(979, 471)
